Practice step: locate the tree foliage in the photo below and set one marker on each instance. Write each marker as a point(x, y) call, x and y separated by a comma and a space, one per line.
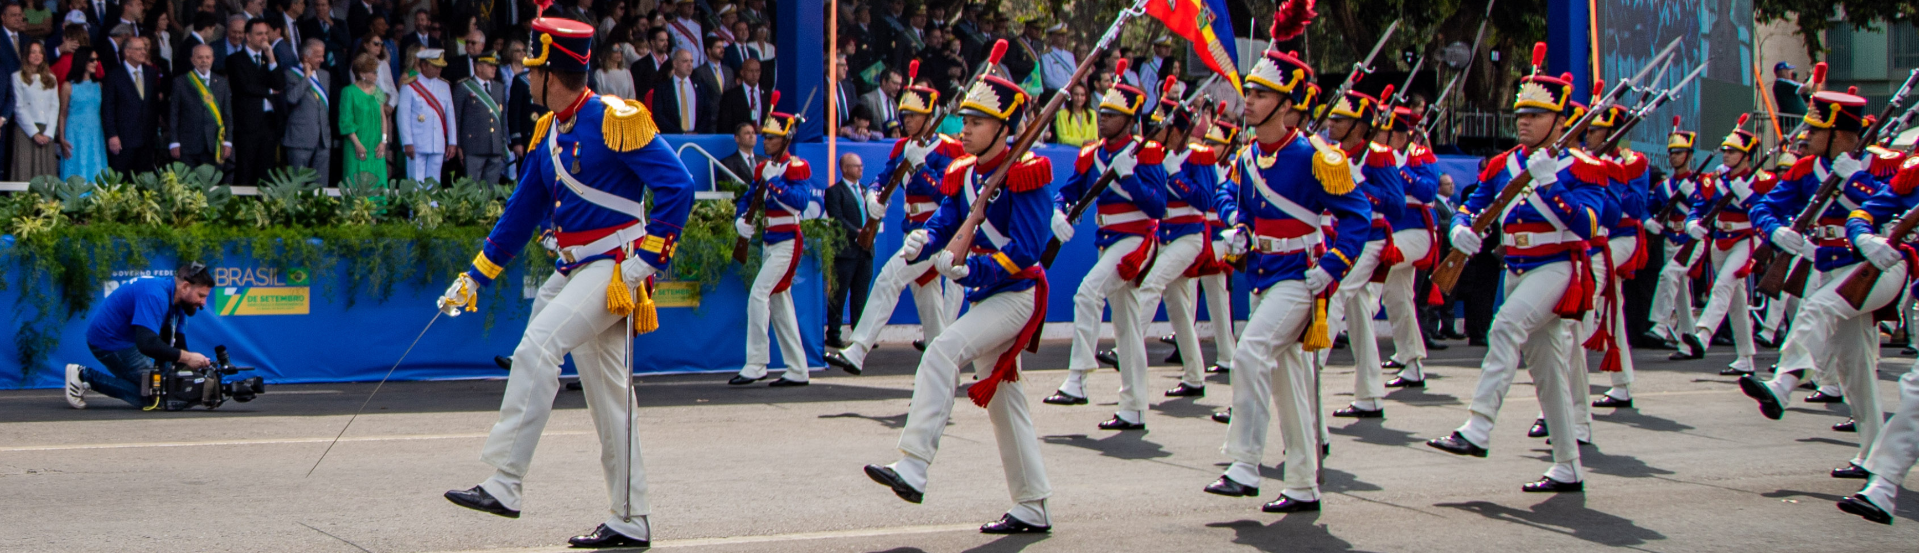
point(1813, 17)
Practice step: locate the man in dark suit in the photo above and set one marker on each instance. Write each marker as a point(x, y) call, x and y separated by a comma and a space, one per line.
point(321, 25)
point(235, 41)
point(247, 72)
point(678, 107)
point(12, 21)
point(650, 69)
point(201, 134)
point(130, 110)
point(422, 25)
point(459, 65)
point(198, 30)
point(100, 17)
point(746, 135)
point(359, 13)
point(713, 77)
point(285, 51)
point(847, 204)
point(745, 103)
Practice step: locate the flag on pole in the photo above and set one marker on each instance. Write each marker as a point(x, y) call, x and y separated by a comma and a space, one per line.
point(1202, 22)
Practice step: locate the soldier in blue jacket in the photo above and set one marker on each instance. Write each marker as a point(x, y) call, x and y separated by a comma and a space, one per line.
point(1007, 289)
point(1376, 171)
point(1185, 242)
point(1286, 180)
point(1547, 281)
point(590, 163)
point(1897, 446)
point(786, 181)
point(1415, 233)
point(1672, 299)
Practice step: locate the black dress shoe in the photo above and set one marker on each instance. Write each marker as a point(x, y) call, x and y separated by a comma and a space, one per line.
point(1403, 382)
point(477, 499)
point(1768, 405)
point(1804, 383)
point(1457, 444)
point(1169, 339)
point(886, 476)
point(1108, 357)
point(739, 380)
point(1174, 358)
point(1721, 340)
point(1548, 485)
point(1223, 417)
point(1693, 349)
point(919, 345)
point(1822, 397)
point(1187, 390)
point(835, 343)
point(505, 363)
point(1290, 505)
point(1117, 423)
point(1908, 350)
point(1351, 412)
point(1605, 401)
point(1851, 472)
point(1734, 371)
point(1538, 430)
point(1436, 346)
point(603, 538)
point(834, 358)
point(1009, 525)
point(1063, 398)
point(1476, 342)
point(784, 383)
point(574, 386)
point(1848, 426)
point(1391, 364)
point(1227, 487)
point(1216, 369)
point(1341, 341)
point(1858, 505)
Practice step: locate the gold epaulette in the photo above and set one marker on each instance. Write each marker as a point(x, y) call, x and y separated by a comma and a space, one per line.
point(1331, 168)
point(539, 130)
point(627, 124)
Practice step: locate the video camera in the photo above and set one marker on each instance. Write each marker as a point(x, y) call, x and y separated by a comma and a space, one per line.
point(174, 387)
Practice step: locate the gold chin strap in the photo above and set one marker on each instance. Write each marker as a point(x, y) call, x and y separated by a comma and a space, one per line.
point(546, 49)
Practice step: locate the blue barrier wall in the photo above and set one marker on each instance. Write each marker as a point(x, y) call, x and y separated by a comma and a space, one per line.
point(326, 341)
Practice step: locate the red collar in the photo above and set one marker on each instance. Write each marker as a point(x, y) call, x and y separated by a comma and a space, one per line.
point(1115, 145)
point(1266, 147)
point(572, 110)
point(986, 166)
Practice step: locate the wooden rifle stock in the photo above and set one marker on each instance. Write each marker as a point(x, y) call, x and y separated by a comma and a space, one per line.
point(753, 210)
point(928, 130)
point(1860, 284)
point(1086, 201)
point(1446, 275)
point(1777, 278)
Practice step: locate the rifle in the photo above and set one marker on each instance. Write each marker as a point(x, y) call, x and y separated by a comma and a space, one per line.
point(1090, 197)
point(1672, 204)
point(1446, 275)
point(1446, 92)
point(1777, 277)
point(927, 130)
point(758, 203)
point(1360, 70)
point(1653, 100)
point(1859, 285)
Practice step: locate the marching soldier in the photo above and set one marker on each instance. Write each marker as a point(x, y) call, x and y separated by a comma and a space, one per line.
point(1414, 232)
point(1286, 180)
point(784, 183)
point(478, 100)
point(1835, 335)
point(610, 245)
point(1129, 212)
point(1672, 298)
point(1730, 241)
point(1897, 446)
point(1374, 168)
point(1007, 288)
point(1223, 138)
point(1625, 255)
point(1545, 233)
point(1185, 242)
point(428, 131)
point(928, 161)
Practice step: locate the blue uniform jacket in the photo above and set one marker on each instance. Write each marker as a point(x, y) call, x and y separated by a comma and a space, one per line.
point(1796, 189)
point(1629, 188)
point(787, 195)
point(1145, 189)
point(1420, 172)
point(1383, 183)
point(1749, 189)
point(1189, 191)
point(1017, 228)
point(1291, 172)
point(1682, 185)
point(617, 143)
point(1574, 200)
point(1226, 194)
point(922, 188)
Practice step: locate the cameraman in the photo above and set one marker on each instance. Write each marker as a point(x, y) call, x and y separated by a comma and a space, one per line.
point(143, 321)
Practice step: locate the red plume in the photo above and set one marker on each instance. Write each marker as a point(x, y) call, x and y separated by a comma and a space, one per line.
point(1167, 88)
point(1222, 107)
point(1819, 73)
point(1675, 122)
point(1852, 90)
point(912, 71)
point(1291, 19)
point(1599, 87)
point(1119, 69)
point(1742, 120)
point(543, 5)
point(1386, 95)
point(1539, 55)
point(999, 51)
point(773, 101)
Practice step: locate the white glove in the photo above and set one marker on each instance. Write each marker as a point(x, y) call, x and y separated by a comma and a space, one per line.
point(1544, 167)
point(1317, 280)
point(1235, 241)
point(456, 295)
point(1062, 228)
point(1879, 251)
point(943, 261)
point(635, 271)
point(914, 243)
point(1653, 227)
point(875, 209)
point(1465, 240)
point(550, 242)
point(1791, 242)
point(1845, 166)
point(915, 152)
point(1124, 162)
point(770, 170)
point(742, 226)
point(1696, 230)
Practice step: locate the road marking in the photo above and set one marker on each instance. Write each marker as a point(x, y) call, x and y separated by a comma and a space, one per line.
point(266, 441)
point(770, 538)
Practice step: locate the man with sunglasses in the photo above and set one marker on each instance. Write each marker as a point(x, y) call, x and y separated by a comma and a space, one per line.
point(142, 321)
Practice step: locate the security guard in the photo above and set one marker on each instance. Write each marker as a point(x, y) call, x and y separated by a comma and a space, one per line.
point(592, 163)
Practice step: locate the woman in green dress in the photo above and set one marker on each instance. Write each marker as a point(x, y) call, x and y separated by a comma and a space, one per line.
point(363, 123)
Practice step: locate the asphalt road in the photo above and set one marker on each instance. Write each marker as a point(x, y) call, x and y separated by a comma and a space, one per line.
point(1694, 468)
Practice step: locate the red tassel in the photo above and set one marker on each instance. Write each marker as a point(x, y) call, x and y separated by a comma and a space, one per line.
point(1134, 262)
point(1119, 69)
point(1433, 297)
point(1291, 19)
point(1006, 367)
point(1611, 363)
point(912, 71)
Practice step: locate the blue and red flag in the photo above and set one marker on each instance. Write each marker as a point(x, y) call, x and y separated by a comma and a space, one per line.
point(1204, 23)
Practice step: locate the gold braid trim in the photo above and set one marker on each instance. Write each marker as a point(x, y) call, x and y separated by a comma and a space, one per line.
point(1330, 166)
point(627, 125)
point(539, 130)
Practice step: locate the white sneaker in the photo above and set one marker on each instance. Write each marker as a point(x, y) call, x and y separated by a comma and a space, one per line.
point(76, 389)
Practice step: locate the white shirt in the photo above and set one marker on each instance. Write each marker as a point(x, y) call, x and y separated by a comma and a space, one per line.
point(689, 103)
point(36, 105)
point(419, 124)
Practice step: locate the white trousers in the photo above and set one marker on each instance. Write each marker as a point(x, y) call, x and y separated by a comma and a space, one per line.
point(1103, 285)
point(1401, 301)
point(762, 303)
point(1526, 324)
point(1897, 446)
point(1728, 298)
point(1352, 309)
point(896, 275)
point(1622, 249)
point(1219, 309)
point(1843, 340)
point(421, 167)
point(1272, 375)
point(569, 316)
point(1672, 298)
point(986, 331)
point(1169, 272)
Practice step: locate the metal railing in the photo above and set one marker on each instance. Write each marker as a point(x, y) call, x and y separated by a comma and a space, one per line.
point(714, 192)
